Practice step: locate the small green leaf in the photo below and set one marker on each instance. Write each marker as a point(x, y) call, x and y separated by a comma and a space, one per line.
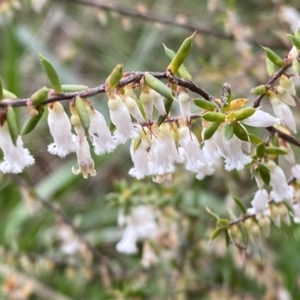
point(273, 57)
point(259, 90)
point(227, 237)
point(82, 113)
point(228, 131)
point(114, 77)
point(240, 205)
point(1, 89)
point(211, 129)
point(264, 173)
point(223, 223)
point(182, 71)
point(168, 105)
point(295, 41)
point(158, 86)
point(244, 233)
point(51, 74)
point(275, 151)
point(39, 96)
point(240, 131)
point(205, 104)
point(214, 117)
point(254, 139)
point(8, 95)
point(12, 123)
point(32, 121)
point(270, 67)
point(180, 55)
point(212, 213)
point(260, 150)
point(297, 33)
point(244, 113)
point(69, 88)
point(215, 233)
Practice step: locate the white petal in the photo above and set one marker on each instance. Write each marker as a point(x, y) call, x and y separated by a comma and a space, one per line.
point(261, 119)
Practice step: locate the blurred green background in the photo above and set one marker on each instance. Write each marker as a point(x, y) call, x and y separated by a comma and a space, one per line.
point(84, 44)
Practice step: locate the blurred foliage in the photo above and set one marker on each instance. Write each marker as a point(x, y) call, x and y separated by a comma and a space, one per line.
point(84, 45)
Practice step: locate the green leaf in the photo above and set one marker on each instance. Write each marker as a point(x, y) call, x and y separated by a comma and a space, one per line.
point(214, 117)
point(69, 88)
point(51, 74)
point(259, 90)
point(82, 113)
point(215, 233)
point(8, 95)
point(228, 131)
point(114, 77)
point(212, 213)
point(158, 86)
point(270, 67)
point(254, 139)
point(39, 96)
point(260, 150)
point(180, 55)
point(223, 223)
point(240, 205)
point(168, 105)
point(210, 130)
point(264, 173)
point(13, 124)
point(240, 131)
point(32, 121)
point(227, 237)
point(205, 104)
point(295, 41)
point(182, 71)
point(244, 113)
point(273, 57)
point(1, 89)
point(275, 151)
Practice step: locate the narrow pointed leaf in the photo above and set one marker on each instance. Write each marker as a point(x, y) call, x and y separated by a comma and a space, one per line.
point(275, 151)
point(214, 117)
point(260, 150)
point(39, 96)
point(240, 132)
point(212, 213)
point(264, 173)
point(228, 131)
point(244, 113)
point(32, 121)
point(273, 57)
point(51, 74)
point(211, 129)
point(240, 205)
point(270, 67)
point(69, 88)
point(82, 113)
point(215, 234)
point(13, 124)
point(205, 104)
point(8, 95)
point(180, 55)
point(295, 41)
point(114, 77)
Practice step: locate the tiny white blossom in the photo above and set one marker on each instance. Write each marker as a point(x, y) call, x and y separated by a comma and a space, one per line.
point(60, 129)
point(164, 152)
point(285, 96)
point(158, 102)
point(84, 159)
point(281, 190)
point(261, 119)
point(120, 117)
point(194, 157)
point(15, 157)
point(184, 105)
point(260, 204)
point(139, 157)
point(147, 101)
point(283, 112)
point(296, 171)
point(140, 224)
point(100, 135)
point(232, 151)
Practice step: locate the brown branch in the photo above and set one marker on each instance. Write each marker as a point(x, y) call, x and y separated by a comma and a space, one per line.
point(134, 77)
point(154, 18)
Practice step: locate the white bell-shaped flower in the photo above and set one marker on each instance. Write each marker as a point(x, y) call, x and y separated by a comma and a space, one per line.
point(100, 135)
point(231, 150)
point(133, 108)
point(120, 117)
point(15, 157)
point(261, 119)
point(194, 157)
point(281, 190)
point(283, 112)
point(260, 204)
point(84, 159)
point(184, 105)
point(147, 100)
point(158, 102)
point(60, 129)
point(164, 152)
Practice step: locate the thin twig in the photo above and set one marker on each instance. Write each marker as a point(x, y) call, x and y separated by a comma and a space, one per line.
point(134, 77)
point(152, 17)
